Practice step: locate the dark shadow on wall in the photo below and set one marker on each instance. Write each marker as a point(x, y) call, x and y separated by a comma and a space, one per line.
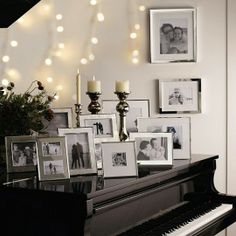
point(12, 10)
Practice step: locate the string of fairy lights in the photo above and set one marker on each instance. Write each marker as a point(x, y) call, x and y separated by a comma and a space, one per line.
point(56, 45)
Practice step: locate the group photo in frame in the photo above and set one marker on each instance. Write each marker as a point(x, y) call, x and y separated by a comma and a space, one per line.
point(104, 126)
point(153, 148)
point(178, 126)
point(52, 158)
point(180, 95)
point(173, 35)
point(119, 159)
point(21, 153)
point(62, 118)
point(80, 150)
point(137, 108)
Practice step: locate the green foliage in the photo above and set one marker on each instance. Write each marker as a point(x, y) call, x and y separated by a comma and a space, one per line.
point(20, 114)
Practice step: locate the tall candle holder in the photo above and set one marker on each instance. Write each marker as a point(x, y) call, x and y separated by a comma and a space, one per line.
point(122, 107)
point(94, 107)
point(78, 111)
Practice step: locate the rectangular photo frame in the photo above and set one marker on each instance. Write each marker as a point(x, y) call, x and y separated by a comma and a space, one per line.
point(173, 35)
point(104, 126)
point(80, 150)
point(52, 158)
point(119, 159)
point(137, 108)
point(178, 126)
point(153, 148)
point(21, 153)
point(180, 96)
point(62, 118)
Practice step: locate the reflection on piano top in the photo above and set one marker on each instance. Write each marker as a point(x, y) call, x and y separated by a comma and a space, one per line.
point(93, 184)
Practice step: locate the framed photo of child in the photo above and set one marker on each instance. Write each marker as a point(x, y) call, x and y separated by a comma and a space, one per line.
point(180, 95)
point(153, 148)
point(173, 35)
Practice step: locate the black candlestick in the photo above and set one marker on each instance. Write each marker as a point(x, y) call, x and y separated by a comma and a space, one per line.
point(94, 107)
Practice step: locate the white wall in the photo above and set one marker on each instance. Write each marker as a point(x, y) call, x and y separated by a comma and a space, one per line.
point(208, 129)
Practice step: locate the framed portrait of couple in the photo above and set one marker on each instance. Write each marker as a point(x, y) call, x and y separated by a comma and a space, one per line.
point(153, 148)
point(173, 35)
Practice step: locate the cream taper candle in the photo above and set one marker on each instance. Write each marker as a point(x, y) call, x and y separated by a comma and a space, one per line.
point(78, 86)
point(94, 86)
point(122, 86)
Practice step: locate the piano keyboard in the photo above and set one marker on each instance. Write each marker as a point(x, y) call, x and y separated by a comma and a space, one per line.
point(181, 223)
point(196, 223)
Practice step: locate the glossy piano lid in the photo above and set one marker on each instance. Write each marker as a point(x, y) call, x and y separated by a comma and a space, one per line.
point(96, 185)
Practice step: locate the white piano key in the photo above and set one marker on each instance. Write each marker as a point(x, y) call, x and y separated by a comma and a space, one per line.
point(202, 221)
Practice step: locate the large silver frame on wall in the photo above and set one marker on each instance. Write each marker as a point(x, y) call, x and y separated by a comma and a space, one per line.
point(182, 18)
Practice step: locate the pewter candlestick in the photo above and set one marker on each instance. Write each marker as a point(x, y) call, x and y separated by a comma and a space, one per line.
point(122, 107)
point(94, 107)
point(78, 111)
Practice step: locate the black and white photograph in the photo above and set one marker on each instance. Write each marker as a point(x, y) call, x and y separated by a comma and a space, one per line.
point(172, 35)
point(104, 126)
point(119, 159)
point(178, 127)
point(52, 149)
point(52, 158)
point(179, 95)
point(80, 148)
point(21, 153)
point(153, 148)
point(62, 118)
point(137, 108)
point(53, 167)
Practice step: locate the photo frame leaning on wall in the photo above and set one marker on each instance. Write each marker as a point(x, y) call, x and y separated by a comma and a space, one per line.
point(80, 149)
point(180, 95)
point(173, 35)
point(137, 108)
point(153, 148)
point(21, 153)
point(52, 158)
point(62, 118)
point(178, 126)
point(119, 159)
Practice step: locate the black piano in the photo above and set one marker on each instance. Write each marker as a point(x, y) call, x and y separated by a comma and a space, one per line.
point(178, 200)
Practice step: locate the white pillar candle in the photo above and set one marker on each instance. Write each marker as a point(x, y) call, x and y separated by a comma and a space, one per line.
point(122, 86)
point(94, 86)
point(78, 86)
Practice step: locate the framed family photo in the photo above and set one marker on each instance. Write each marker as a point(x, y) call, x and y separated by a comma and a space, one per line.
point(80, 149)
point(153, 148)
point(180, 96)
point(52, 158)
point(21, 153)
point(173, 35)
point(137, 108)
point(104, 126)
point(178, 126)
point(62, 118)
point(119, 159)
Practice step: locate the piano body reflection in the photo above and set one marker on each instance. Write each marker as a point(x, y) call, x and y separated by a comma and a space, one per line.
point(181, 200)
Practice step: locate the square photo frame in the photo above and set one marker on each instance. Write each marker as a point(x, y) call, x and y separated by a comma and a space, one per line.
point(153, 148)
point(178, 126)
point(104, 126)
point(137, 108)
point(180, 96)
point(21, 153)
point(62, 118)
point(52, 158)
point(80, 150)
point(173, 35)
point(119, 159)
